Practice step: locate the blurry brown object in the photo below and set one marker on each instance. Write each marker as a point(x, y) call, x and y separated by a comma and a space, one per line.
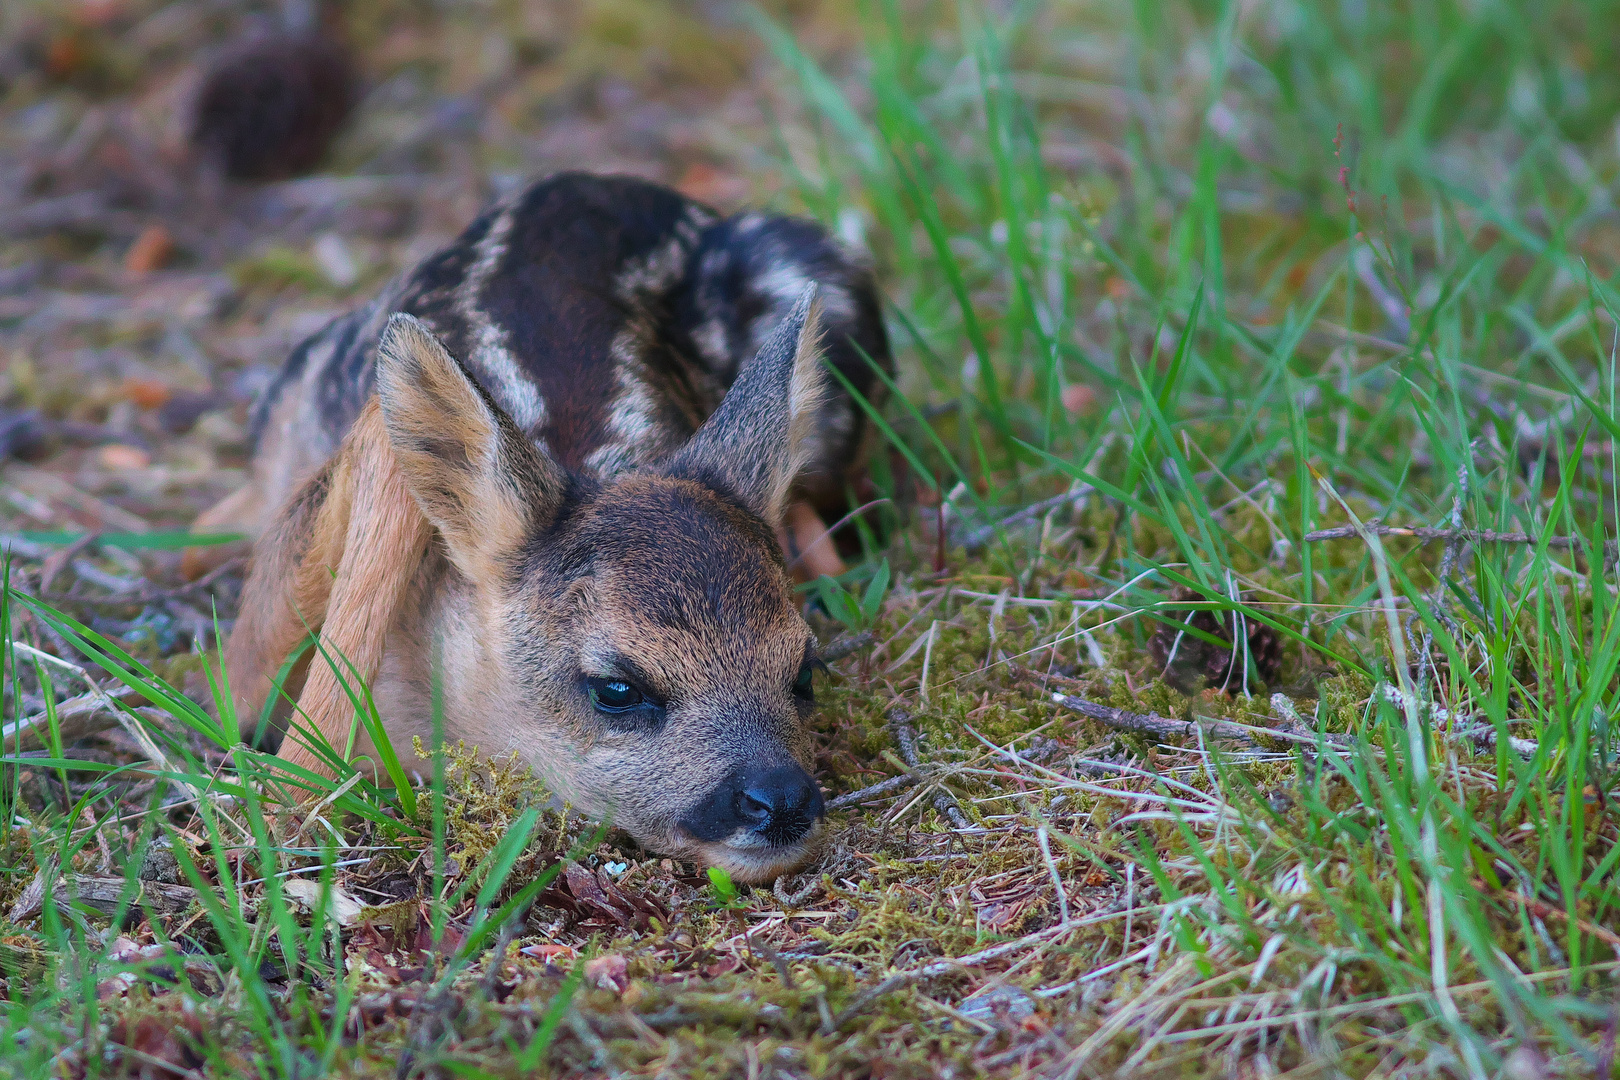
point(66, 54)
point(269, 109)
point(122, 456)
point(99, 12)
point(147, 393)
point(1188, 663)
point(160, 1044)
point(1079, 398)
point(150, 251)
point(707, 184)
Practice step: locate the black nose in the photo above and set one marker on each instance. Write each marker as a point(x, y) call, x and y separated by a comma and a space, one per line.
point(781, 805)
point(778, 803)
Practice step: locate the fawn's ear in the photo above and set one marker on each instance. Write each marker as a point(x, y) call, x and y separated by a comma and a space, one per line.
point(481, 483)
point(760, 437)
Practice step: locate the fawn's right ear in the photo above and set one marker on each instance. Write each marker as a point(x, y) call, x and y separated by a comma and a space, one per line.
point(482, 484)
point(759, 439)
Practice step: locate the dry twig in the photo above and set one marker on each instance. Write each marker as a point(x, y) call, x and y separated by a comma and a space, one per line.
point(877, 790)
point(1429, 534)
point(1162, 727)
point(845, 644)
point(76, 718)
point(901, 979)
point(905, 736)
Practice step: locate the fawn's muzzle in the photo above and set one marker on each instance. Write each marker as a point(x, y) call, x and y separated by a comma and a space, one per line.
point(778, 805)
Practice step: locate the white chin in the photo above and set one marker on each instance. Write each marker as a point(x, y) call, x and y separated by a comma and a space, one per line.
point(747, 858)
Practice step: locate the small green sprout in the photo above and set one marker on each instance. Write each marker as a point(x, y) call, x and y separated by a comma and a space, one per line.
point(841, 604)
point(724, 890)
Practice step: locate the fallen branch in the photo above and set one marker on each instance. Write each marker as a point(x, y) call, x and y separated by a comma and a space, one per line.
point(877, 790)
point(101, 893)
point(893, 784)
point(845, 644)
point(76, 718)
point(104, 894)
point(1481, 735)
point(1485, 737)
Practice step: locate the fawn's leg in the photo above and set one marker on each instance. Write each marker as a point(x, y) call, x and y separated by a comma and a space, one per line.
point(383, 544)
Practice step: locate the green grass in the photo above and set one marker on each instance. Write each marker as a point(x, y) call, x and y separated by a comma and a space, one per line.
point(1144, 202)
point(1311, 300)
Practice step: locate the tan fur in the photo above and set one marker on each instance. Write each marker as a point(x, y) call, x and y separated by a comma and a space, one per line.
point(385, 538)
point(808, 393)
point(479, 482)
point(350, 555)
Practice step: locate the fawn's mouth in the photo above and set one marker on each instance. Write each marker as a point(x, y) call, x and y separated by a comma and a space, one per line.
point(747, 857)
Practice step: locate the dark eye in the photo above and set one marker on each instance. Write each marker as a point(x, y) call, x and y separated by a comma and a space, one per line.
point(804, 687)
point(613, 695)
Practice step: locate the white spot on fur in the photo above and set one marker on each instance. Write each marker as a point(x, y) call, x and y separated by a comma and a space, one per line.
point(710, 339)
point(491, 359)
point(784, 283)
point(656, 272)
point(635, 438)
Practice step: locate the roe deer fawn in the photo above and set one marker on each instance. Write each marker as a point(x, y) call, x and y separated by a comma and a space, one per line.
point(554, 468)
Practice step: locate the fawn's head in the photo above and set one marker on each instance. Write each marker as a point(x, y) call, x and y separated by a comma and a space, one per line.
point(636, 640)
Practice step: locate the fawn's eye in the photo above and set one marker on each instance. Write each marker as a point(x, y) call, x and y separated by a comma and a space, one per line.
point(804, 687)
point(613, 695)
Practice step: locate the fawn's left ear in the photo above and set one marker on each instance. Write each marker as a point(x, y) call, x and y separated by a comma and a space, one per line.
point(760, 437)
point(477, 479)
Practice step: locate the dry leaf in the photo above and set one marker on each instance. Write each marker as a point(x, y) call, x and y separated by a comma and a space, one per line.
point(610, 972)
point(150, 251)
point(1078, 398)
point(147, 393)
point(448, 942)
point(594, 895)
point(340, 905)
point(548, 951)
point(167, 1043)
point(120, 456)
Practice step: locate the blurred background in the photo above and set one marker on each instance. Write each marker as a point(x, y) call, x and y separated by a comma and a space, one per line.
point(188, 188)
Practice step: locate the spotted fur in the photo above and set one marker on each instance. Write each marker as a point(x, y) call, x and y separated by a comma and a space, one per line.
point(561, 451)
